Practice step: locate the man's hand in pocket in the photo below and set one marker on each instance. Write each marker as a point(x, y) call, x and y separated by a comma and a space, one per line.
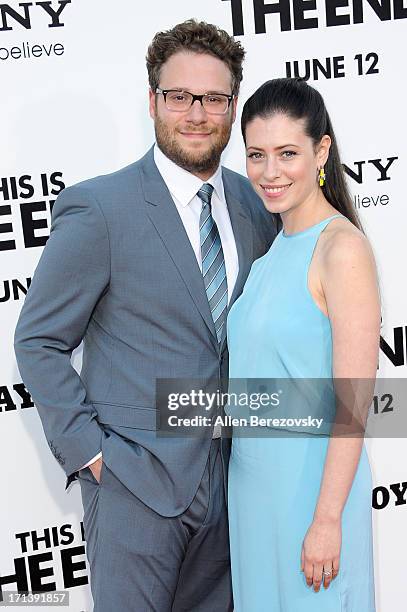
point(96, 468)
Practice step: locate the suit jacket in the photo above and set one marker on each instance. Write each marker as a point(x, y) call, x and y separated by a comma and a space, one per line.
point(118, 272)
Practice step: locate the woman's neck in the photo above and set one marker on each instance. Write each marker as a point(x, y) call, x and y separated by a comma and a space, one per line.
point(307, 214)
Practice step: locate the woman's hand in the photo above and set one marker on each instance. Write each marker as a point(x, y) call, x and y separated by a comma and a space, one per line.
point(321, 551)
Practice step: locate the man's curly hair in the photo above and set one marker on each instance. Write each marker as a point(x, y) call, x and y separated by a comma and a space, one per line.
point(197, 37)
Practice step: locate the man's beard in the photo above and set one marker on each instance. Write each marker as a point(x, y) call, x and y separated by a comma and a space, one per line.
point(195, 163)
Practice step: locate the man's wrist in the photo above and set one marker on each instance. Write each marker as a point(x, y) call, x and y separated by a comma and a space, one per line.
point(95, 458)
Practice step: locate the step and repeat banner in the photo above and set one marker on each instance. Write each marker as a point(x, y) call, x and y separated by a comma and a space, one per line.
point(74, 104)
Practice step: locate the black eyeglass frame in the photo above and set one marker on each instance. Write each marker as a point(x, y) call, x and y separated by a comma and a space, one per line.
point(199, 97)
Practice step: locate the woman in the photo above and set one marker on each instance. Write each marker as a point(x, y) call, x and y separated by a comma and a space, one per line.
point(300, 503)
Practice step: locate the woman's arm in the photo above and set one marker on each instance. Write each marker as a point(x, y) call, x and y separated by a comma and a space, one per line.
point(349, 282)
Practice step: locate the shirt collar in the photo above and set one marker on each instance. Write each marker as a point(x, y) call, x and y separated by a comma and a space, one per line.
point(182, 184)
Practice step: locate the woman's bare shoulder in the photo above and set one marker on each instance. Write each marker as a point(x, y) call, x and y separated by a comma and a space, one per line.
point(342, 242)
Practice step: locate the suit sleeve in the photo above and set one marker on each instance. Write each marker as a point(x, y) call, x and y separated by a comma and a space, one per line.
point(71, 276)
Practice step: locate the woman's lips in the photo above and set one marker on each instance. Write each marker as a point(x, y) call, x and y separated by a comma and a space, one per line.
point(274, 191)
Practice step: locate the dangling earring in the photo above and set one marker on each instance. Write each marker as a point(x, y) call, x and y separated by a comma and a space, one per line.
point(322, 177)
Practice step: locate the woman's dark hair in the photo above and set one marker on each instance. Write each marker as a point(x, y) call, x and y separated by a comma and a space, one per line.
point(298, 100)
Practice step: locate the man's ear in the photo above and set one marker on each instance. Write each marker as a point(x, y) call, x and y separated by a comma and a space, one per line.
point(151, 104)
point(323, 150)
point(234, 108)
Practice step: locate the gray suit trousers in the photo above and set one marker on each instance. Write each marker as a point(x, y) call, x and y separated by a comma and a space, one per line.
point(141, 561)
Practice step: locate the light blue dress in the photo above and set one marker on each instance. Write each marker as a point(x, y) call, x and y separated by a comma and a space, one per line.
point(275, 330)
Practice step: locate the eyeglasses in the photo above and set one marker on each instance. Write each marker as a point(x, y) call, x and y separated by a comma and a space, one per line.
point(179, 100)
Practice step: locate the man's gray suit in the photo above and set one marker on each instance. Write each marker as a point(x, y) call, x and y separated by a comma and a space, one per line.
point(118, 272)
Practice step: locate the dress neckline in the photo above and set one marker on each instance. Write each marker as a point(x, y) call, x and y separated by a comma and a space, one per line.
point(308, 229)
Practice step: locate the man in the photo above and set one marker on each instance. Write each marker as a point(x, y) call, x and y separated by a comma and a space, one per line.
point(142, 265)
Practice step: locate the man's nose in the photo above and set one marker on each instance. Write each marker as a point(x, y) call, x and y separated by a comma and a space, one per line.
point(197, 113)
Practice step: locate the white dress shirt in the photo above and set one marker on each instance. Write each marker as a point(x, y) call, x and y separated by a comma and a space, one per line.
point(183, 187)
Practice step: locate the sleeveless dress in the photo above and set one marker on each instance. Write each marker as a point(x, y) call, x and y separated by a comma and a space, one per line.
point(275, 330)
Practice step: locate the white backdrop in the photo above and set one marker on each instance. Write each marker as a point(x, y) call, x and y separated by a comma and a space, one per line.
point(74, 104)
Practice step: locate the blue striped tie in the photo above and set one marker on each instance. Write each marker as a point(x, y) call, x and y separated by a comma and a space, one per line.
point(213, 262)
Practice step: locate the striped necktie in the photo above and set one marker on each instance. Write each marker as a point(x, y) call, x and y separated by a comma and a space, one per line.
point(213, 262)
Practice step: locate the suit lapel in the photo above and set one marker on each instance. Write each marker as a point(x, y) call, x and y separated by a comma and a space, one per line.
point(242, 230)
point(165, 218)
